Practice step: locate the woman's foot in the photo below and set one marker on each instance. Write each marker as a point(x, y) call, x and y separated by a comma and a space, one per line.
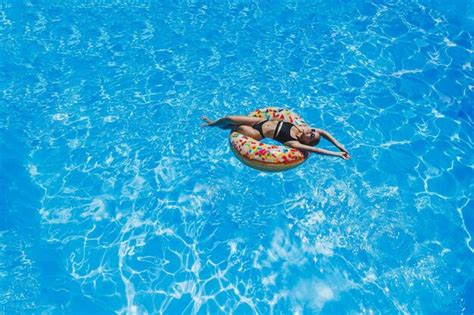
point(207, 120)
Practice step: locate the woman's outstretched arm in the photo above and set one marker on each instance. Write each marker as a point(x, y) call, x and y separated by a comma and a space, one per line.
point(333, 140)
point(303, 147)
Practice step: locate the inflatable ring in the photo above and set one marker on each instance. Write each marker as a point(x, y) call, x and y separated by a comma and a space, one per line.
point(267, 157)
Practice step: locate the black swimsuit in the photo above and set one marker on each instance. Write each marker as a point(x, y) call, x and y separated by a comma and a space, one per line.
point(259, 127)
point(283, 136)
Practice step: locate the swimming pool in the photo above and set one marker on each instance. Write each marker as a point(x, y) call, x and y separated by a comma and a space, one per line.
point(114, 200)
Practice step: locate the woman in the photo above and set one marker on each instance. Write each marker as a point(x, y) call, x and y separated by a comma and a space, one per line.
point(303, 139)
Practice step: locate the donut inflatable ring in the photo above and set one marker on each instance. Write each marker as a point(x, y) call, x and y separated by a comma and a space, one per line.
point(267, 157)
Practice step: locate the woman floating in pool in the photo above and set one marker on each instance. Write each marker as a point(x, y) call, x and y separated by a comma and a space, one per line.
point(303, 139)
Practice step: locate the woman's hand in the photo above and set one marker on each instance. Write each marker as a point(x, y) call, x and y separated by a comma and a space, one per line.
point(344, 155)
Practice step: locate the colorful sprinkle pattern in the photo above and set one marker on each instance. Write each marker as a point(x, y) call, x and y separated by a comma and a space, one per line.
point(267, 157)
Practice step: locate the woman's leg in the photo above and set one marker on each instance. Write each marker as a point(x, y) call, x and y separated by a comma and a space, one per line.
point(248, 131)
point(229, 121)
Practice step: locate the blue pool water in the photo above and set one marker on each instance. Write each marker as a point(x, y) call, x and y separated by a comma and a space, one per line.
point(114, 200)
